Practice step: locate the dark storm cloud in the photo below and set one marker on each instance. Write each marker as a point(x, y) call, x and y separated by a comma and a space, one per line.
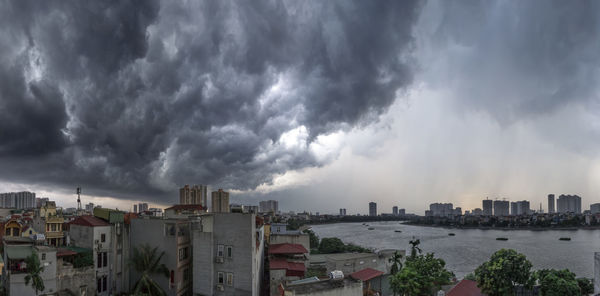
point(135, 98)
point(515, 59)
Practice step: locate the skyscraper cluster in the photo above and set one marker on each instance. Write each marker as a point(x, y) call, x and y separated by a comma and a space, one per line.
point(18, 200)
point(568, 204)
point(194, 195)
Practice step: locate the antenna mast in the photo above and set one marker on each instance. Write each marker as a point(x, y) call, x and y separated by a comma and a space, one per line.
point(78, 198)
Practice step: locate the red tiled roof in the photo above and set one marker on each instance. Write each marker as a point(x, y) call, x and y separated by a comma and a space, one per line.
point(366, 274)
point(287, 249)
point(90, 221)
point(284, 264)
point(185, 207)
point(465, 288)
point(64, 252)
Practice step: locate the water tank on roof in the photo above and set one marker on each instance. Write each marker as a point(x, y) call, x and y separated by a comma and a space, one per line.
point(336, 275)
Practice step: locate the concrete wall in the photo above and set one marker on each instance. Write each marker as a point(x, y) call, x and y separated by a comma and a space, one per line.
point(237, 230)
point(17, 281)
point(348, 289)
point(151, 231)
point(76, 279)
point(86, 237)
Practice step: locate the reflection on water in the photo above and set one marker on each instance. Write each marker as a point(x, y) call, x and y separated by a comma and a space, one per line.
point(470, 247)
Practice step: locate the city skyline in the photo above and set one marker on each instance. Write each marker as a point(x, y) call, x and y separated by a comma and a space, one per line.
point(413, 102)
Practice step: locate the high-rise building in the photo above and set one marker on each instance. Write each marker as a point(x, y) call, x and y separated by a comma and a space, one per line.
point(135, 208)
point(372, 209)
point(595, 208)
point(501, 208)
point(142, 207)
point(395, 210)
point(40, 201)
point(551, 203)
point(195, 195)
point(342, 212)
point(220, 201)
point(18, 200)
point(520, 208)
point(514, 208)
point(441, 209)
point(401, 212)
point(568, 204)
point(267, 206)
point(89, 208)
point(487, 207)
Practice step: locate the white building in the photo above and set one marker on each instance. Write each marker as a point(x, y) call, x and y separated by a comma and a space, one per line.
point(18, 200)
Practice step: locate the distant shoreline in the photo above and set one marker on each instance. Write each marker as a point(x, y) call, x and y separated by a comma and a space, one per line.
point(531, 228)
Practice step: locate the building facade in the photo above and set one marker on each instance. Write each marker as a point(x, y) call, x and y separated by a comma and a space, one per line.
point(372, 209)
point(194, 195)
point(551, 204)
point(568, 204)
point(487, 207)
point(18, 200)
point(267, 206)
point(220, 201)
point(501, 208)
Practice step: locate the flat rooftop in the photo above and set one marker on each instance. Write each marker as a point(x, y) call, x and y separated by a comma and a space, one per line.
point(321, 285)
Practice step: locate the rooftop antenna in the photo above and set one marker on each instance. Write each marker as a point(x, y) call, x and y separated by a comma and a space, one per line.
point(78, 198)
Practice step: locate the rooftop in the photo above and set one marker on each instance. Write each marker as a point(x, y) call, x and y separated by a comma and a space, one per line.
point(284, 264)
point(89, 221)
point(287, 248)
point(465, 288)
point(366, 274)
point(312, 286)
point(186, 207)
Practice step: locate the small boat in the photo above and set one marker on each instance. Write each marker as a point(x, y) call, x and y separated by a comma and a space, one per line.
point(371, 228)
point(451, 234)
point(565, 238)
point(502, 238)
point(397, 230)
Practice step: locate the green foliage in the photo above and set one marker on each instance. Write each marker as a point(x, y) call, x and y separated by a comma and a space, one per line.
point(396, 261)
point(471, 276)
point(146, 261)
point(34, 273)
point(557, 282)
point(331, 245)
point(314, 239)
point(586, 286)
point(421, 274)
point(316, 271)
point(505, 270)
point(83, 260)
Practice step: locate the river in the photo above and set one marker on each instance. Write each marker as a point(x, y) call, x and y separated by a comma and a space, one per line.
point(471, 247)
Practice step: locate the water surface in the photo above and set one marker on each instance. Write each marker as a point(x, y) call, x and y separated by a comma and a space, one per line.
point(470, 247)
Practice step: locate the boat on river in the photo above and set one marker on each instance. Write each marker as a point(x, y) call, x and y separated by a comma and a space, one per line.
point(502, 238)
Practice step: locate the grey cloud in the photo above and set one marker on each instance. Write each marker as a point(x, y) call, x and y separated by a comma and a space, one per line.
point(513, 59)
point(139, 97)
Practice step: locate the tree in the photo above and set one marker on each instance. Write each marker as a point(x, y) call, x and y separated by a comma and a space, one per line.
point(34, 273)
point(557, 282)
point(421, 274)
point(414, 247)
point(146, 261)
point(586, 286)
point(314, 239)
point(396, 261)
point(330, 245)
point(406, 282)
point(505, 270)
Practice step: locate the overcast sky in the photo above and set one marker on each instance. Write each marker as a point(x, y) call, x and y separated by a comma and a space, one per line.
point(318, 104)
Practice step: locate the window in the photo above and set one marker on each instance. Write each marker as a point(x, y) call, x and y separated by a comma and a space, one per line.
point(99, 285)
point(7, 232)
point(102, 238)
point(220, 250)
point(229, 251)
point(43, 256)
point(104, 281)
point(230, 279)
point(105, 259)
point(99, 260)
point(187, 275)
point(220, 278)
point(183, 253)
point(169, 229)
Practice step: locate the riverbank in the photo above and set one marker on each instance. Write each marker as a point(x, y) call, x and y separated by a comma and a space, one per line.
point(530, 228)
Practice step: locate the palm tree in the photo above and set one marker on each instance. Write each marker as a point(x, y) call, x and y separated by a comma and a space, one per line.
point(396, 261)
point(34, 271)
point(146, 261)
point(414, 247)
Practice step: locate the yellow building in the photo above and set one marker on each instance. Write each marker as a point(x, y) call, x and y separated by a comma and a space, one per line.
point(49, 222)
point(12, 228)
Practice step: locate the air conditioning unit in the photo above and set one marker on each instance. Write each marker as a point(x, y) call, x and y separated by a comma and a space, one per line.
point(220, 287)
point(219, 259)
